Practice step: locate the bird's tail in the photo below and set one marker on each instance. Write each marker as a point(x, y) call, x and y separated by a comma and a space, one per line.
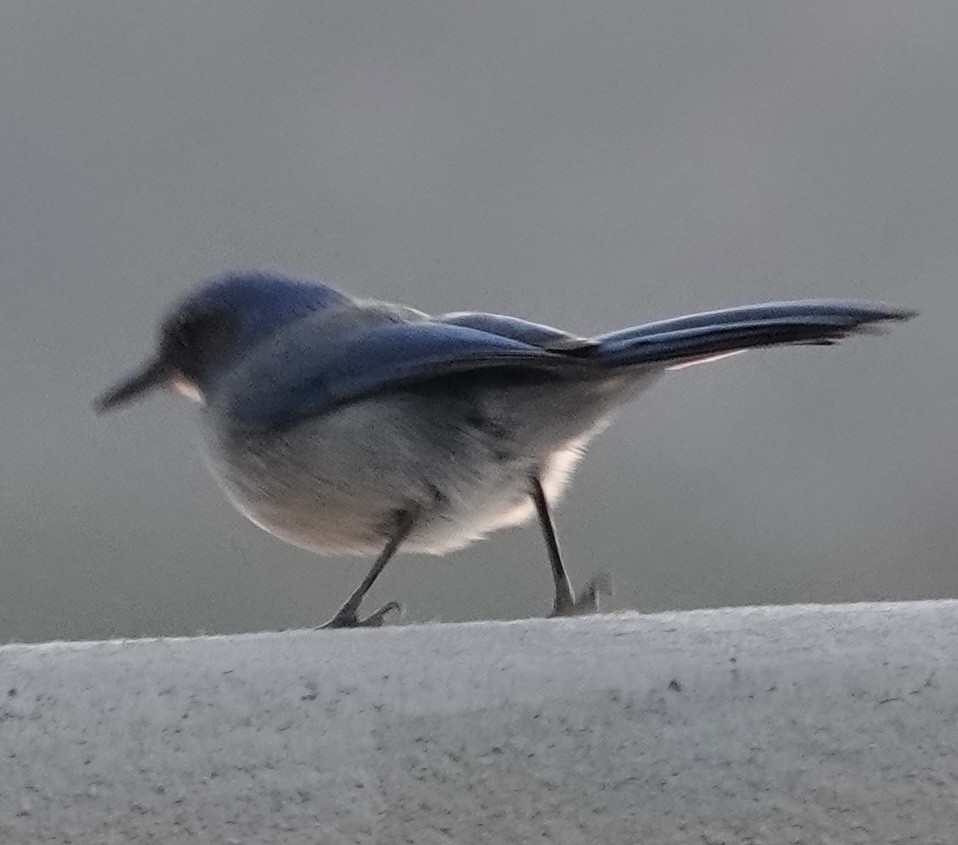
point(702, 337)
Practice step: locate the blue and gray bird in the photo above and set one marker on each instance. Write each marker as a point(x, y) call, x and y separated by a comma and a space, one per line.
point(357, 426)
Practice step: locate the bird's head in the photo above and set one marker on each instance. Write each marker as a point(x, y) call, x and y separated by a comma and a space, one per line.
point(216, 326)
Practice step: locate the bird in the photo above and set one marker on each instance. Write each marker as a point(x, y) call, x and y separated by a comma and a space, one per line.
point(359, 426)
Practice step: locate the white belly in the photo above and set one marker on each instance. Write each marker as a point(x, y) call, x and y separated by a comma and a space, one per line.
point(338, 484)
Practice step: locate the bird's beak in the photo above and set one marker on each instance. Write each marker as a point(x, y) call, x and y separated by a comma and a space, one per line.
point(154, 374)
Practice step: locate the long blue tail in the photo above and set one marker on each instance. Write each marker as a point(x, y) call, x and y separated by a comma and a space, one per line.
point(715, 333)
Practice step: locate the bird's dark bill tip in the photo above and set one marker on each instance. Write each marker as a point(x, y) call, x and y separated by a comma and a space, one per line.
point(152, 375)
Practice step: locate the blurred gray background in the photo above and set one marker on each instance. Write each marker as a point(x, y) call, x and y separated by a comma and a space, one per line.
point(590, 165)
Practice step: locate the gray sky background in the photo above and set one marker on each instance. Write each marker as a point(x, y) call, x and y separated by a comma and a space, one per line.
point(591, 165)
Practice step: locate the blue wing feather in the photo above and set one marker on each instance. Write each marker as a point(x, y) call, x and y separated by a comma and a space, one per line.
point(309, 370)
point(535, 334)
point(298, 377)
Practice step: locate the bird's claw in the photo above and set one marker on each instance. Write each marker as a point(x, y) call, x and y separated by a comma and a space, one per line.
point(588, 600)
point(347, 617)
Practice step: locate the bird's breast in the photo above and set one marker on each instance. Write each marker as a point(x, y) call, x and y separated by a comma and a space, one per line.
point(461, 464)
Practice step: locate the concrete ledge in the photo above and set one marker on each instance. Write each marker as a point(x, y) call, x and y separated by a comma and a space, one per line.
point(756, 725)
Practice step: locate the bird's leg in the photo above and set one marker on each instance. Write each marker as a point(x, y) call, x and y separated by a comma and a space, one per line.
point(565, 603)
point(564, 598)
point(348, 615)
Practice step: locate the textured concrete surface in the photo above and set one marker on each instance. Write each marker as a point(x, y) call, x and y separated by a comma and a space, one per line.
point(761, 725)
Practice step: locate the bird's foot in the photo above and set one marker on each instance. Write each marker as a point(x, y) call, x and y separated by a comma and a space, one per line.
point(348, 617)
point(588, 600)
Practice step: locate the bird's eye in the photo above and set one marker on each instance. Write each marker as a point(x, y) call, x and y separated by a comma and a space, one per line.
point(191, 341)
point(190, 331)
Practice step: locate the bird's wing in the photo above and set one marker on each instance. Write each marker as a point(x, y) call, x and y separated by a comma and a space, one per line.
point(302, 374)
point(534, 334)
